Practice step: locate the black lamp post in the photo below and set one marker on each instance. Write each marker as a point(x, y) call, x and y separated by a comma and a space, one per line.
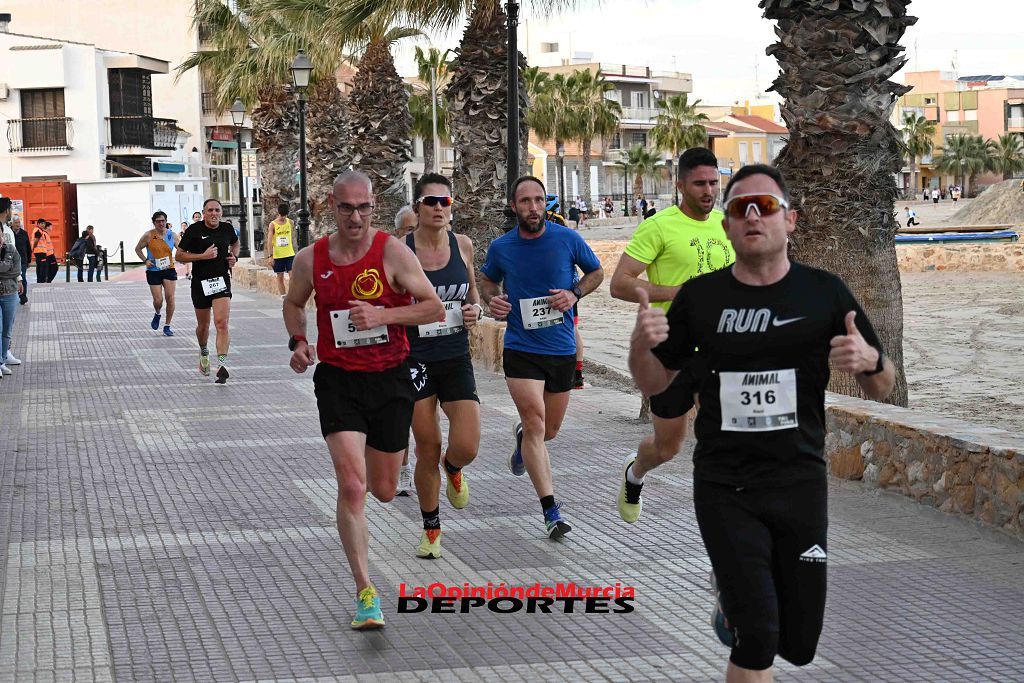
point(301, 70)
point(560, 156)
point(512, 139)
point(238, 118)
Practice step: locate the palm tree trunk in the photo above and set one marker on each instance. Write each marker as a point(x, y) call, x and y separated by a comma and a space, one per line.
point(585, 172)
point(378, 110)
point(428, 155)
point(836, 63)
point(477, 96)
point(327, 151)
point(275, 128)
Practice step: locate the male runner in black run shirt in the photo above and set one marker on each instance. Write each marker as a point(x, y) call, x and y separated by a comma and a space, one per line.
point(212, 247)
point(758, 338)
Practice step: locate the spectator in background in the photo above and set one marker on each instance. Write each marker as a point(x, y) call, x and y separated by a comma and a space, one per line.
point(582, 203)
point(23, 244)
point(405, 221)
point(935, 195)
point(650, 210)
point(42, 250)
point(574, 215)
point(91, 252)
point(196, 217)
point(911, 216)
point(11, 286)
point(54, 265)
point(77, 253)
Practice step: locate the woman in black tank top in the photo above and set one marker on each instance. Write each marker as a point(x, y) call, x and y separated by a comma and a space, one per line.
point(439, 362)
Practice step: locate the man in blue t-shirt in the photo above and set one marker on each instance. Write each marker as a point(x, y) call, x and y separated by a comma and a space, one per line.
point(537, 264)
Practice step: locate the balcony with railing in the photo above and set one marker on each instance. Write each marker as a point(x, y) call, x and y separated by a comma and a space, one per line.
point(53, 134)
point(642, 114)
point(140, 134)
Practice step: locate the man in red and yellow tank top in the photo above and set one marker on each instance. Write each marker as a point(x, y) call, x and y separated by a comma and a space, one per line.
point(368, 286)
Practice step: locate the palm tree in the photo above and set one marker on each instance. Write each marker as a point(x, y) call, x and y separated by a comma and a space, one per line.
point(963, 157)
point(918, 136)
point(535, 80)
point(679, 127)
point(477, 97)
point(432, 67)
point(836, 61)
point(598, 117)
point(378, 109)
point(1008, 155)
point(642, 163)
point(252, 53)
point(554, 116)
point(423, 125)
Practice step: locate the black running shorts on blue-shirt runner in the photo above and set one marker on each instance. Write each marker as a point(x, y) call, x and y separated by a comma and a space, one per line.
point(555, 371)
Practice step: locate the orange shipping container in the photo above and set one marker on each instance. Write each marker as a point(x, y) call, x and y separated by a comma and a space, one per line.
point(52, 200)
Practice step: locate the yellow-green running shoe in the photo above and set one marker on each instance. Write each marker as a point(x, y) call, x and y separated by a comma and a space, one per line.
point(630, 502)
point(457, 490)
point(204, 364)
point(368, 614)
point(430, 545)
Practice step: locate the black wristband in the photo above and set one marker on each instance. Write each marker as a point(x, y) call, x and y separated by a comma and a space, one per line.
point(576, 292)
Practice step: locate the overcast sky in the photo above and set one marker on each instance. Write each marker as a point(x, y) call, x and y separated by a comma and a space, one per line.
point(722, 42)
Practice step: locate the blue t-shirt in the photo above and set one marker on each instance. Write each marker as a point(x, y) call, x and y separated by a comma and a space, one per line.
point(531, 267)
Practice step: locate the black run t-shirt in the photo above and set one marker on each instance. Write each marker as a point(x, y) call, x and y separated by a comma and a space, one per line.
point(197, 238)
point(759, 359)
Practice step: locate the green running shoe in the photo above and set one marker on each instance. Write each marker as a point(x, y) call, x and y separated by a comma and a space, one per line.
point(204, 365)
point(368, 614)
point(630, 503)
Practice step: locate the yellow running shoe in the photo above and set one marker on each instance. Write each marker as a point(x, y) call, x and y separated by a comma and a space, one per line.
point(430, 545)
point(204, 364)
point(630, 502)
point(368, 613)
point(457, 490)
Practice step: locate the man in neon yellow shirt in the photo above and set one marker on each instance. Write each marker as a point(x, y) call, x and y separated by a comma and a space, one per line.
point(280, 236)
point(672, 246)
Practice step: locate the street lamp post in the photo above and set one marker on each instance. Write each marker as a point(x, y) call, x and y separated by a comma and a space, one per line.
point(560, 155)
point(512, 137)
point(238, 118)
point(301, 70)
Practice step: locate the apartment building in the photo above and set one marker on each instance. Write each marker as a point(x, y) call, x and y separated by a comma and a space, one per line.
point(989, 105)
point(164, 32)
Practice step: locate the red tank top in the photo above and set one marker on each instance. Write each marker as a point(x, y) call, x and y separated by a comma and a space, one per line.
point(334, 286)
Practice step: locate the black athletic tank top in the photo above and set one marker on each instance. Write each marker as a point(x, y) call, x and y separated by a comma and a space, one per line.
point(452, 285)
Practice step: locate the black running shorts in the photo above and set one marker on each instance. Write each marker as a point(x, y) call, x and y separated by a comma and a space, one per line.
point(555, 371)
point(201, 301)
point(676, 400)
point(768, 549)
point(377, 404)
point(451, 379)
point(157, 277)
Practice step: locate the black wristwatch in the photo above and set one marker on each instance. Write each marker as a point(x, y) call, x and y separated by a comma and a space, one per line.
point(878, 368)
point(576, 292)
point(294, 341)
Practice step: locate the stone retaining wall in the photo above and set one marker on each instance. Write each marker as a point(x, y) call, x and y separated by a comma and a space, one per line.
point(913, 258)
point(947, 463)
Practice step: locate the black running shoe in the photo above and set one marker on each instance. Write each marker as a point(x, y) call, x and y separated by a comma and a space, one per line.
point(222, 375)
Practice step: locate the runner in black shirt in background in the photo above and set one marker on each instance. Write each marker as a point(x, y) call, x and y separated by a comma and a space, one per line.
point(758, 338)
point(212, 247)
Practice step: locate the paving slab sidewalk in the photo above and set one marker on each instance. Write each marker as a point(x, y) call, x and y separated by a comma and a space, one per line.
point(154, 527)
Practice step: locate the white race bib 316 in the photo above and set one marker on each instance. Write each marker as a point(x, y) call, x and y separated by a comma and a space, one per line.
point(346, 335)
point(539, 312)
point(451, 324)
point(763, 401)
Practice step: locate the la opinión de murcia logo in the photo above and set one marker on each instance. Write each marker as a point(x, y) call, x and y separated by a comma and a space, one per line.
point(564, 598)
